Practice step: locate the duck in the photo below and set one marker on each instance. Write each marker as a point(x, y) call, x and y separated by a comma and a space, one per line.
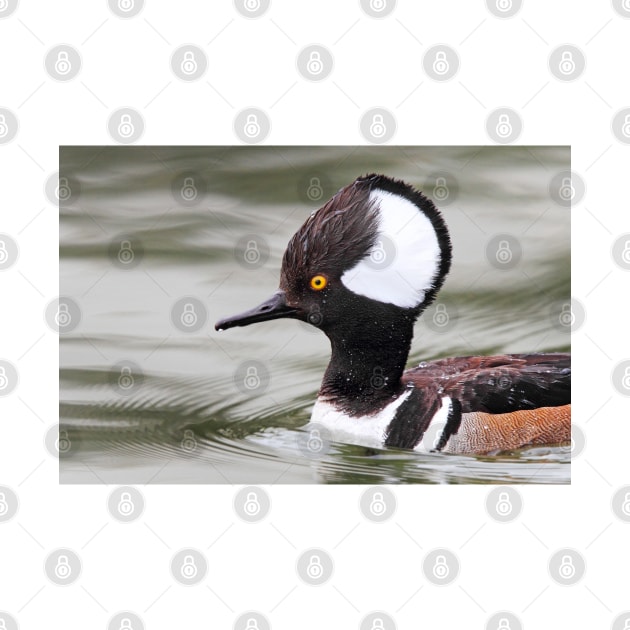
point(363, 268)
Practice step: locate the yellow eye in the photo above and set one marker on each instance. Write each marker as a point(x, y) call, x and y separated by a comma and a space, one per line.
point(318, 282)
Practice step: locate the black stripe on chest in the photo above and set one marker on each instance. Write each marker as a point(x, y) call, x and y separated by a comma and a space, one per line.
point(412, 419)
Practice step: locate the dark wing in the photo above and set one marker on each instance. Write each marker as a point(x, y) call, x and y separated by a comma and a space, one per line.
point(499, 384)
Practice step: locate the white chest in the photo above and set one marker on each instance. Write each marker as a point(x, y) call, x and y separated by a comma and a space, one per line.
point(364, 430)
point(371, 430)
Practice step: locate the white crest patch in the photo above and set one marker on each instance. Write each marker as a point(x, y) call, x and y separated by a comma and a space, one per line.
point(401, 266)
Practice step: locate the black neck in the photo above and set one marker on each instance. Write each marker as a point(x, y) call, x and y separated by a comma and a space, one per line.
point(367, 362)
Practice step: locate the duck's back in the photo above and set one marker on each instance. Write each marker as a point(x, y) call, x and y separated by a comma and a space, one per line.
point(500, 402)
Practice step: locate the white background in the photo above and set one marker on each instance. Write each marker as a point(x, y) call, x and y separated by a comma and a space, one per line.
point(252, 63)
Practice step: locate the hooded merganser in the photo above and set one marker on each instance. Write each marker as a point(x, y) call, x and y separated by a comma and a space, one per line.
point(363, 268)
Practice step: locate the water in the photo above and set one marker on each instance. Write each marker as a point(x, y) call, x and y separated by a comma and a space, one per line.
point(181, 412)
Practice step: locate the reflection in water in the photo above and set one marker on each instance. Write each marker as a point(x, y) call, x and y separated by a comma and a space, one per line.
point(159, 243)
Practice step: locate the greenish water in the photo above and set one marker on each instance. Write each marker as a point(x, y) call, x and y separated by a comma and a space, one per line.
point(181, 412)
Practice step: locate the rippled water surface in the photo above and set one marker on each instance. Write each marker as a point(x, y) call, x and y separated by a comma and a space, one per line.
point(144, 398)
